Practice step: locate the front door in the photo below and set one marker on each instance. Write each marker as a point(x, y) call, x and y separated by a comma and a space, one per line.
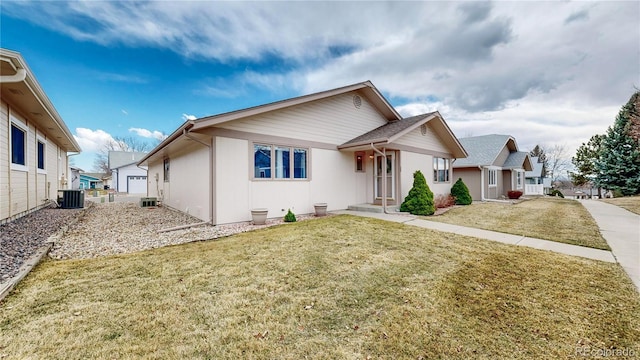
point(390, 177)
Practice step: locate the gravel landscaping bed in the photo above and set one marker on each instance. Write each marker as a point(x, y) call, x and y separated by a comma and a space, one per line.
point(117, 228)
point(20, 238)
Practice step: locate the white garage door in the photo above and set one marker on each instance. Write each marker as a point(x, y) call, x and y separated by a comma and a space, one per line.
point(137, 184)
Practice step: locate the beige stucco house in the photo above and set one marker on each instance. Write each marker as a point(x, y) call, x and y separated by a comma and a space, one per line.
point(494, 166)
point(34, 140)
point(326, 147)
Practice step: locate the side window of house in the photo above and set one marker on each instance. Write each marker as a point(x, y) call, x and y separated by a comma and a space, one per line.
point(166, 169)
point(287, 162)
point(519, 179)
point(441, 168)
point(18, 145)
point(40, 155)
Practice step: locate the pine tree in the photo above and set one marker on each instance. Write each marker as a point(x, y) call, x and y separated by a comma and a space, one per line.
point(419, 201)
point(619, 163)
point(585, 161)
point(460, 192)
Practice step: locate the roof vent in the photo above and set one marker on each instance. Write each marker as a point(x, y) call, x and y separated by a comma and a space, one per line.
point(423, 129)
point(357, 101)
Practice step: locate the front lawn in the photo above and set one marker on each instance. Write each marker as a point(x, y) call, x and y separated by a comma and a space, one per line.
point(631, 203)
point(334, 288)
point(555, 219)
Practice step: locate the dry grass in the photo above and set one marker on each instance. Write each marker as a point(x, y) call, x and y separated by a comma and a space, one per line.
point(333, 288)
point(631, 203)
point(555, 219)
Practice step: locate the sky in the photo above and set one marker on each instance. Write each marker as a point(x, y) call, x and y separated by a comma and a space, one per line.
point(546, 72)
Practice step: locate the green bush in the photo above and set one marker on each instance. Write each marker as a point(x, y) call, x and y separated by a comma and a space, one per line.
point(460, 192)
point(556, 192)
point(290, 217)
point(419, 201)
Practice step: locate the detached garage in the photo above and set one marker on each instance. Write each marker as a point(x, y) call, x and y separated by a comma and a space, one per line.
point(127, 176)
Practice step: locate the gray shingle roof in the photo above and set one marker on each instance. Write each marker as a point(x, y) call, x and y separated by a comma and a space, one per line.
point(387, 130)
point(515, 160)
point(538, 167)
point(482, 150)
point(119, 159)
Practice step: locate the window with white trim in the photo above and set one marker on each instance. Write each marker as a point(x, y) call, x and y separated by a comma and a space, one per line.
point(41, 155)
point(279, 162)
point(518, 179)
point(441, 169)
point(18, 145)
point(493, 177)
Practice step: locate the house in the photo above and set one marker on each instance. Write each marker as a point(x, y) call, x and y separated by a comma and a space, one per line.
point(536, 183)
point(494, 166)
point(126, 176)
point(343, 147)
point(35, 141)
point(91, 181)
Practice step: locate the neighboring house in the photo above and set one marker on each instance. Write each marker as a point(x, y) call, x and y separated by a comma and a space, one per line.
point(326, 147)
point(536, 183)
point(75, 177)
point(494, 166)
point(126, 176)
point(34, 140)
point(91, 181)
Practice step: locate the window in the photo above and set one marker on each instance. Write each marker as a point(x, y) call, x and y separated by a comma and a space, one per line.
point(40, 155)
point(266, 157)
point(166, 169)
point(441, 168)
point(18, 145)
point(360, 161)
point(493, 177)
point(518, 179)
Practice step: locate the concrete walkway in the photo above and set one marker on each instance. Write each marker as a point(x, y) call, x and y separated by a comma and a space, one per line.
point(562, 248)
point(621, 229)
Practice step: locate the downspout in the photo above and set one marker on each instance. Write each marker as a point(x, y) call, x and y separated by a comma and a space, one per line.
point(481, 183)
point(185, 132)
point(383, 177)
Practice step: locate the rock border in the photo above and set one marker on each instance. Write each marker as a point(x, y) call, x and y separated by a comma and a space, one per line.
point(34, 260)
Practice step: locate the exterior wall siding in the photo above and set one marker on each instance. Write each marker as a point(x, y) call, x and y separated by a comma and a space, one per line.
point(335, 121)
point(188, 187)
point(429, 140)
point(233, 187)
point(472, 178)
point(502, 157)
point(24, 191)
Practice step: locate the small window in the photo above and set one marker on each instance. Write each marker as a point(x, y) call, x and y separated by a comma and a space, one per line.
point(300, 163)
point(40, 155)
point(18, 145)
point(282, 162)
point(493, 177)
point(262, 161)
point(519, 179)
point(441, 167)
point(360, 161)
point(166, 169)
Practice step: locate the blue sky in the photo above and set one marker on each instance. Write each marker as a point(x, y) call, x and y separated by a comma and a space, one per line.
point(551, 73)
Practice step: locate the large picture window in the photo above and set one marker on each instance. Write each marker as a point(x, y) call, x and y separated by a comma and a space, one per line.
point(18, 145)
point(280, 159)
point(441, 167)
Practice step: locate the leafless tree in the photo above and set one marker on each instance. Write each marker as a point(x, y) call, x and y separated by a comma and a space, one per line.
point(101, 162)
point(559, 161)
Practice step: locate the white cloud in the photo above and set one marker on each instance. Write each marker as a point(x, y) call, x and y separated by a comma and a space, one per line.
point(148, 133)
point(92, 140)
point(186, 117)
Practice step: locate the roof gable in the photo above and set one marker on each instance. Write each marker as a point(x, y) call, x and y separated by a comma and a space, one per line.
point(484, 150)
